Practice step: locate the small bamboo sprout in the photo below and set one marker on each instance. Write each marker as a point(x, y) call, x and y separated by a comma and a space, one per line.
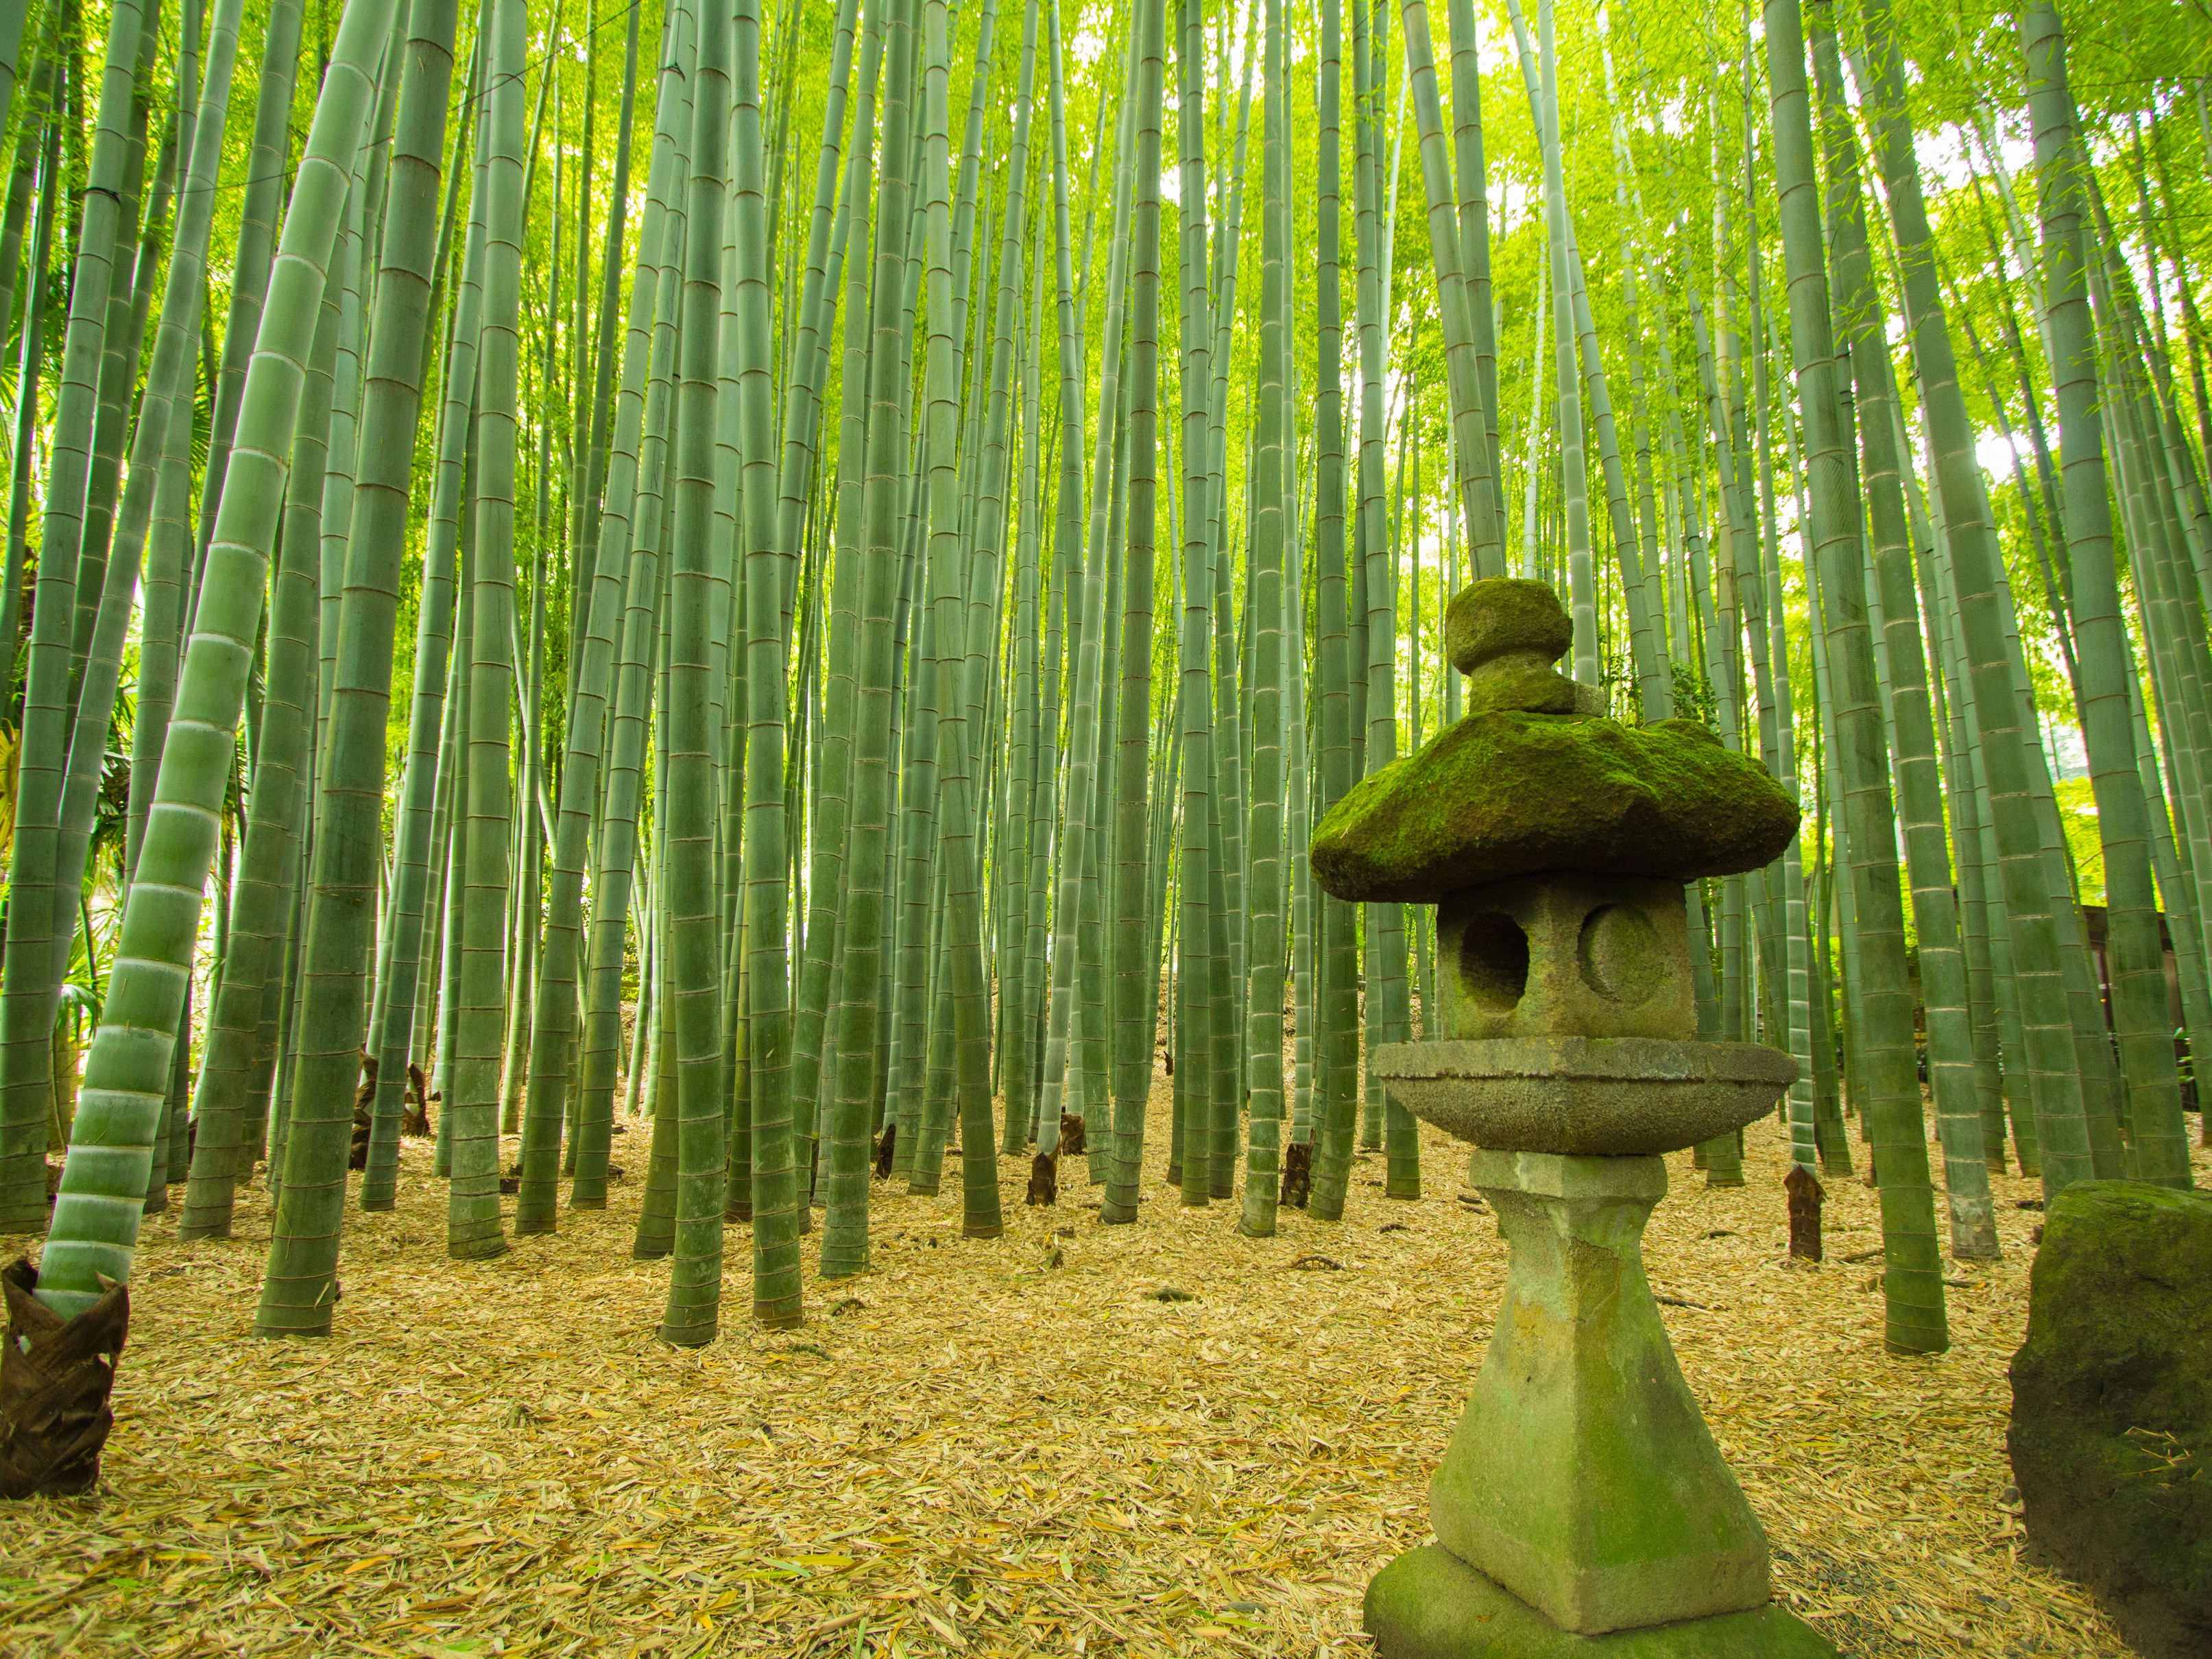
point(55, 1377)
point(1805, 1192)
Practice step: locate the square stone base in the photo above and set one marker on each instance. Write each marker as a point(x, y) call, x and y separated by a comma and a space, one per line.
point(1429, 1604)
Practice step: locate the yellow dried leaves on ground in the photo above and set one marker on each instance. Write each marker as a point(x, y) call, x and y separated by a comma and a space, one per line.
point(968, 1449)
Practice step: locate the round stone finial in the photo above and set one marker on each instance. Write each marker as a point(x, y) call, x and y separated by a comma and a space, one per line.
point(1504, 633)
point(1501, 614)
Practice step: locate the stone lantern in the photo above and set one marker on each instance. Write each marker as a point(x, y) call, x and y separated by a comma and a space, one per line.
point(1582, 1506)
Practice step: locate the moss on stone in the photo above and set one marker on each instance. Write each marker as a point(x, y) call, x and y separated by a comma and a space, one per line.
point(1509, 793)
point(1504, 613)
point(2111, 1413)
point(1522, 680)
point(1429, 1604)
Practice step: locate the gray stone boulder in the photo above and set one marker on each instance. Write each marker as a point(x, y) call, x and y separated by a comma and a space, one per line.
point(2112, 1415)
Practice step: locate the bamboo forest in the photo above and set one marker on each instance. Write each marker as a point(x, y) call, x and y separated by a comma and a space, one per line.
point(1109, 827)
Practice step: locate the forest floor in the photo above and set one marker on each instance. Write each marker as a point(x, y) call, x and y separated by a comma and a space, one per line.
point(969, 1448)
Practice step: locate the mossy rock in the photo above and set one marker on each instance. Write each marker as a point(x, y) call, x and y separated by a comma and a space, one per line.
point(1488, 618)
point(1519, 680)
point(2112, 1411)
point(1509, 793)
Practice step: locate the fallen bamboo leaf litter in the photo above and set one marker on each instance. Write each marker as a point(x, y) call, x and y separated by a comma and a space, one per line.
point(500, 1457)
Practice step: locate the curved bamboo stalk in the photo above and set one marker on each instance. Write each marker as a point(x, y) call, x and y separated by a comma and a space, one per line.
point(2158, 1140)
point(1935, 910)
point(269, 163)
point(1913, 1279)
point(28, 979)
point(96, 1223)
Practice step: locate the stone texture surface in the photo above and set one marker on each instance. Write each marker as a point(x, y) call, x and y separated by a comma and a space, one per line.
point(1522, 680)
point(1429, 1604)
point(1582, 1504)
point(1598, 956)
point(1581, 1476)
point(1589, 1096)
point(1509, 793)
point(1502, 616)
point(2111, 1418)
point(1534, 779)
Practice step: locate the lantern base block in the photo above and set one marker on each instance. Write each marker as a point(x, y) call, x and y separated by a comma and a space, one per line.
point(1429, 1604)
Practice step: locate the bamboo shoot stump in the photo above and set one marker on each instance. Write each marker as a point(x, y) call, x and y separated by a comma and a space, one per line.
point(55, 1376)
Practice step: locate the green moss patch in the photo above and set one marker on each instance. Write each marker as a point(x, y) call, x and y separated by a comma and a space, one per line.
point(1506, 794)
point(1499, 614)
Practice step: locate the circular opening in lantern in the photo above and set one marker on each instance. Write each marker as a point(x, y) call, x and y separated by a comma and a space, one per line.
point(1493, 962)
point(1619, 954)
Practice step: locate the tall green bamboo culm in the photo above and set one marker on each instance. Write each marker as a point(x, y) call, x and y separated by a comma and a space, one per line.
point(1913, 1279)
point(1271, 496)
point(1337, 1055)
point(1943, 975)
point(473, 1226)
point(684, 813)
point(880, 427)
point(27, 981)
point(152, 448)
point(649, 352)
point(812, 1065)
point(240, 1058)
point(594, 727)
point(96, 1217)
point(770, 576)
point(961, 962)
point(269, 162)
point(1199, 968)
point(2158, 1146)
point(1132, 980)
point(410, 913)
point(297, 1293)
point(2038, 978)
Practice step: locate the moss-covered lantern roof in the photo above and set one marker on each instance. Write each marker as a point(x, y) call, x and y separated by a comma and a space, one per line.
point(1526, 783)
